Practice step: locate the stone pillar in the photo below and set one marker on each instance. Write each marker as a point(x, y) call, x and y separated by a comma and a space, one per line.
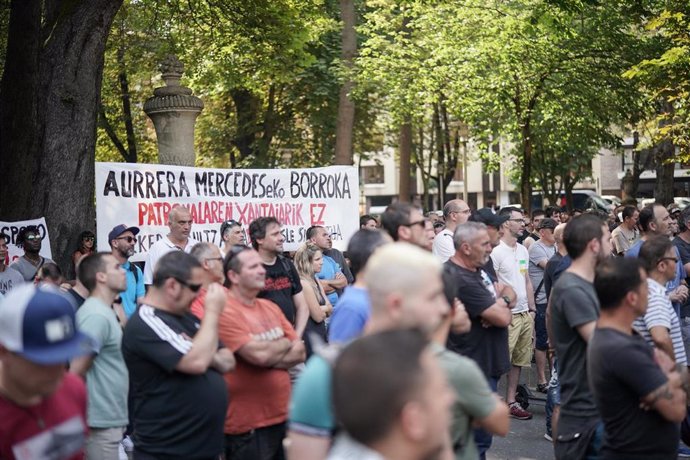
point(173, 110)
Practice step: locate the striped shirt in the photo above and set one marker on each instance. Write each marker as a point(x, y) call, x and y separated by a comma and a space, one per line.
point(660, 312)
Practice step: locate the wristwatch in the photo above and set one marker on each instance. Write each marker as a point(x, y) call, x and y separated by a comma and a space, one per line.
point(506, 299)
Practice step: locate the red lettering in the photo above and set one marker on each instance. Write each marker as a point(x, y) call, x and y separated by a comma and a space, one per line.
point(314, 219)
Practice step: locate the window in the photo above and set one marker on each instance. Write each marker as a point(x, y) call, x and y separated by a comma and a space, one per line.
point(372, 174)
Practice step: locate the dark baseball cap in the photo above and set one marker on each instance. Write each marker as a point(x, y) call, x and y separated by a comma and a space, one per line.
point(486, 216)
point(547, 223)
point(120, 229)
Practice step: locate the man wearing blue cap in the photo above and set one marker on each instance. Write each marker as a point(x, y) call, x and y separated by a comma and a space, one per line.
point(43, 408)
point(122, 240)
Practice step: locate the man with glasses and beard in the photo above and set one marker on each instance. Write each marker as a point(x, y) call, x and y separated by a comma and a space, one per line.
point(122, 240)
point(29, 238)
point(175, 363)
point(571, 319)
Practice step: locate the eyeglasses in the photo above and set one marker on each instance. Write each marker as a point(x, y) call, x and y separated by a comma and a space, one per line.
point(412, 224)
point(214, 258)
point(88, 238)
point(128, 239)
point(522, 221)
point(192, 287)
point(33, 237)
point(675, 259)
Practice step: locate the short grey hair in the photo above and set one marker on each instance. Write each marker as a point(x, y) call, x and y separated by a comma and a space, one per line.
point(204, 250)
point(466, 233)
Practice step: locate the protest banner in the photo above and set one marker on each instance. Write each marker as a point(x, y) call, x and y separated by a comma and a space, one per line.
point(12, 229)
point(141, 195)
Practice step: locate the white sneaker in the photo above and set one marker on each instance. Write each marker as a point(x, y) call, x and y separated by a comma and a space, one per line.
point(127, 444)
point(122, 455)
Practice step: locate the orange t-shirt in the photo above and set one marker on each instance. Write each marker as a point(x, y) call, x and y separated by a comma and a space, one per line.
point(259, 396)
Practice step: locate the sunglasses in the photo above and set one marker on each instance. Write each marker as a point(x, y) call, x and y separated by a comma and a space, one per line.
point(412, 224)
point(33, 237)
point(88, 238)
point(675, 259)
point(128, 239)
point(192, 287)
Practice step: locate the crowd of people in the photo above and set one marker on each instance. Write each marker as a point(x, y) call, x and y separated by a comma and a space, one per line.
point(391, 350)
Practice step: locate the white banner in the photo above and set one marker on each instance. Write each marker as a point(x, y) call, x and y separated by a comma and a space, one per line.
point(11, 229)
point(141, 195)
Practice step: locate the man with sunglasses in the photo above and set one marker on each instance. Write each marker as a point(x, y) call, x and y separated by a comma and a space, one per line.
point(404, 222)
point(175, 363)
point(30, 239)
point(660, 326)
point(180, 224)
point(122, 240)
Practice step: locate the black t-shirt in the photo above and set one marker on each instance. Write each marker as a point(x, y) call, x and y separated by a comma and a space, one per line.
point(488, 346)
point(684, 250)
point(282, 282)
point(175, 415)
point(622, 371)
point(574, 303)
point(549, 273)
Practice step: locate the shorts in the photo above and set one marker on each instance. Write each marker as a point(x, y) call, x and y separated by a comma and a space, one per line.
point(541, 342)
point(520, 339)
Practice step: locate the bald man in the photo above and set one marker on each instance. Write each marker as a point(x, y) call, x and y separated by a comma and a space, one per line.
point(180, 224)
point(455, 212)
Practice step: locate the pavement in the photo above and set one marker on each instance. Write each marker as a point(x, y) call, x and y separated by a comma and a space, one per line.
point(525, 441)
point(526, 437)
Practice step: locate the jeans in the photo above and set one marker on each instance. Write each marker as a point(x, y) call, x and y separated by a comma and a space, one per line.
point(482, 437)
point(260, 444)
point(553, 395)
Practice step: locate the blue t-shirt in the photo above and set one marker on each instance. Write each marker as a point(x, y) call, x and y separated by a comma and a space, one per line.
point(350, 315)
point(135, 288)
point(328, 271)
point(634, 251)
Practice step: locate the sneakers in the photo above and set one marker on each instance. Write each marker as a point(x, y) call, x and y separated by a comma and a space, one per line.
point(542, 388)
point(516, 411)
point(548, 437)
point(683, 452)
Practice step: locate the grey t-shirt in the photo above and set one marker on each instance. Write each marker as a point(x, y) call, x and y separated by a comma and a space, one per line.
point(538, 251)
point(107, 381)
point(10, 279)
point(574, 302)
point(27, 269)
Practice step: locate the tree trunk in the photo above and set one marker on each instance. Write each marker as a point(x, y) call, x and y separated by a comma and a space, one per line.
point(663, 187)
point(126, 103)
point(525, 177)
point(346, 106)
point(247, 110)
point(49, 98)
point(405, 160)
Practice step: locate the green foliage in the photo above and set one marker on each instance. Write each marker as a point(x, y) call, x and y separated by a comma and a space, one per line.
point(664, 75)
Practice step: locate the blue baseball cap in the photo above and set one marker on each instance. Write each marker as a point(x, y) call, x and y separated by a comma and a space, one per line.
point(38, 323)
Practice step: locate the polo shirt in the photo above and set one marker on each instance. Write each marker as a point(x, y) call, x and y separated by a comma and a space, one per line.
point(158, 250)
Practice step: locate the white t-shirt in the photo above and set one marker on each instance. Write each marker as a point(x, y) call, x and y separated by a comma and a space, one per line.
point(511, 268)
point(158, 250)
point(443, 247)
